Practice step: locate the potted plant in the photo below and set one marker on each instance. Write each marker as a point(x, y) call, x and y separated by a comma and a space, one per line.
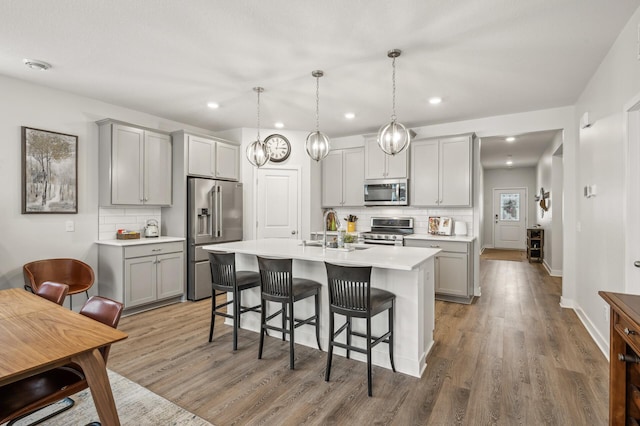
point(349, 239)
point(351, 223)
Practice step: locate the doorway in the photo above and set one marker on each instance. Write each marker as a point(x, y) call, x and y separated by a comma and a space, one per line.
point(510, 218)
point(632, 234)
point(278, 203)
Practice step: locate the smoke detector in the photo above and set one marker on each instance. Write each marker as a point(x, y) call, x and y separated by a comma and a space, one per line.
point(37, 65)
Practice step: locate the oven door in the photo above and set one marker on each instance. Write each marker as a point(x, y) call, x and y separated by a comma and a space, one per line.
point(386, 192)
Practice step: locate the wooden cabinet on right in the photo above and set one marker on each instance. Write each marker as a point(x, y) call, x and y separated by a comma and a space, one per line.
point(441, 171)
point(624, 358)
point(453, 268)
point(535, 244)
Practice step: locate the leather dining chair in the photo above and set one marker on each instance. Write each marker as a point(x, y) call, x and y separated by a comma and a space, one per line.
point(76, 274)
point(53, 292)
point(21, 398)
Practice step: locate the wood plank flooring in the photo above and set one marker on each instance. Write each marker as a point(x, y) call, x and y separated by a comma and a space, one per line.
point(514, 357)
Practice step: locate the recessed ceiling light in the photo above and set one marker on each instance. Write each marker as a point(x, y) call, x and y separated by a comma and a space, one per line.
point(510, 139)
point(36, 64)
point(349, 115)
point(435, 100)
point(213, 105)
point(279, 125)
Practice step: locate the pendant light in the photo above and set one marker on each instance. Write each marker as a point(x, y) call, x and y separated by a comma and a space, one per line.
point(257, 152)
point(317, 144)
point(393, 137)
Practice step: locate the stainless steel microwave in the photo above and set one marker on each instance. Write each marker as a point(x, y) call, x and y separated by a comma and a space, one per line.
point(386, 192)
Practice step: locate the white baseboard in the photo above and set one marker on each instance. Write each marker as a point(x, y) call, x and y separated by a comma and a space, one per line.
point(552, 272)
point(602, 343)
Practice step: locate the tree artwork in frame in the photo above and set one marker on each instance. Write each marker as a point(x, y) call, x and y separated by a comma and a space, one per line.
point(49, 172)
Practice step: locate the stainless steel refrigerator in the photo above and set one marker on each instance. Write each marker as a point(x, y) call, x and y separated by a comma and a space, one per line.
point(214, 216)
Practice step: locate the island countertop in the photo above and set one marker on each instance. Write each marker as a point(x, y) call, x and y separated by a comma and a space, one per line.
point(378, 256)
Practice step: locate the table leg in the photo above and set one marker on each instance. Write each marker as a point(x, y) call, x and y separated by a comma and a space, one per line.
point(95, 371)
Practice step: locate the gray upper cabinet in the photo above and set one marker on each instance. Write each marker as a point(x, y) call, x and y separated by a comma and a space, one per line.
point(212, 158)
point(379, 165)
point(135, 165)
point(441, 171)
point(343, 178)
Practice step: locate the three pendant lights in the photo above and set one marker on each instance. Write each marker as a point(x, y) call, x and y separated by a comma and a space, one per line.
point(393, 137)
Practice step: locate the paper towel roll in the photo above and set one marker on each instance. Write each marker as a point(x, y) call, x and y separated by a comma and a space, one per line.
point(460, 228)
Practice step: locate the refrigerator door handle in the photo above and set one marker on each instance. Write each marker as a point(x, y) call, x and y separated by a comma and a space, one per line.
point(219, 213)
point(213, 217)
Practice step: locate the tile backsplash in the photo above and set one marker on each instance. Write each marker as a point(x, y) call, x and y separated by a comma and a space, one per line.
point(420, 216)
point(110, 219)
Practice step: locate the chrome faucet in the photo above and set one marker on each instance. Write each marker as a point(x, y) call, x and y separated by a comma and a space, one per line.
point(324, 226)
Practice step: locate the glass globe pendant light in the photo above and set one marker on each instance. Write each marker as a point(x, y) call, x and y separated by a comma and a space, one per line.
point(393, 137)
point(257, 152)
point(317, 144)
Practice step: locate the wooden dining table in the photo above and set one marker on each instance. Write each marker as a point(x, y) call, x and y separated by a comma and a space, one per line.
point(37, 335)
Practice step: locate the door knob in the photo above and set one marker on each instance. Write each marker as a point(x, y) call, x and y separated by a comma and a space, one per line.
point(293, 232)
point(636, 263)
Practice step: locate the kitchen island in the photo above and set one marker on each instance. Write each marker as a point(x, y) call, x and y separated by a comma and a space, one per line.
point(407, 272)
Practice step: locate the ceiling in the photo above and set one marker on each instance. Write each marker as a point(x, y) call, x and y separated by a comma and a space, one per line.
point(169, 58)
point(525, 150)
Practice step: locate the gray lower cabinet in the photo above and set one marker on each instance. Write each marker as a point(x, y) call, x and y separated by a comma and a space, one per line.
point(453, 268)
point(142, 276)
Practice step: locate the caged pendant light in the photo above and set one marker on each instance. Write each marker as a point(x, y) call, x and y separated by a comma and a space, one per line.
point(257, 152)
point(393, 137)
point(317, 144)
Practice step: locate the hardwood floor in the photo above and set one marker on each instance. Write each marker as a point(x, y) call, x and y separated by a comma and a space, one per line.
point(514, 357)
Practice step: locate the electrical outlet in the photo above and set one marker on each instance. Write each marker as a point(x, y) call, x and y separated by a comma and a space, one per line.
point(69, 226)
point(606, 312)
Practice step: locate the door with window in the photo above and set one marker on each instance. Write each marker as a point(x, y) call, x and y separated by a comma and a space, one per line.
point(278, 212)
point(510, 218)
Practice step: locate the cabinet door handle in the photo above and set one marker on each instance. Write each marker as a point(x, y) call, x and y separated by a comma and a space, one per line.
point(156, 249)
point(435, 246)
point(628, 332)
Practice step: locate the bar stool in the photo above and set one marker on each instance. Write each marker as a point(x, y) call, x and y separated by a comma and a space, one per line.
point(278, 285)
point(351, 295)
point(225, 279)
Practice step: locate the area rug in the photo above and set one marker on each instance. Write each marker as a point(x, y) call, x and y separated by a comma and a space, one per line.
point(499, 254)
point(136, 406)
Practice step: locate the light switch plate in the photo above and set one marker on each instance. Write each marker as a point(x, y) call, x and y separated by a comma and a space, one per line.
point(69, 226)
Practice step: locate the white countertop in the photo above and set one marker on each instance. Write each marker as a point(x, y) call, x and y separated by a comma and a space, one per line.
point(139, 241)
point(387, 257)
point(458, 238)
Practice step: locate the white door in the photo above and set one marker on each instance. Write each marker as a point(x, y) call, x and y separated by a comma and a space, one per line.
point(278, 214)
point(510, 218)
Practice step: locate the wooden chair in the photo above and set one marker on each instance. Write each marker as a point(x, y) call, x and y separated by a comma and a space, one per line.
point(351, 295)
point(225, 279)
point(278, 285)
point(54, 292)
point(76, 274)
point(21, 398)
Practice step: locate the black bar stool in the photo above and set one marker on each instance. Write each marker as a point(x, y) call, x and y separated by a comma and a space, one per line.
point(351, 295)
point(225, 279)
point(278, 285)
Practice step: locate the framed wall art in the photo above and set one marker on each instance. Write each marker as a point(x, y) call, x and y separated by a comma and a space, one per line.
point(49, 172)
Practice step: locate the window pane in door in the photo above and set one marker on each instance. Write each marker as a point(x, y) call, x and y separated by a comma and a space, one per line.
point(510, 207)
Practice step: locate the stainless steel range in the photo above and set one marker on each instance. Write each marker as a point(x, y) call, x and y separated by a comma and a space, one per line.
point(388, 230)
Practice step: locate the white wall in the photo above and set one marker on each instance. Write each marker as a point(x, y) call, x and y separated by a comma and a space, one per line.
point(519, 177)
point(27, 237)
point(601, 240)
point(549, 177)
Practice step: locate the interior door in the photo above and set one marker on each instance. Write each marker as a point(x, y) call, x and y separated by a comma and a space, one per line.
point(510, 218)
point(632, 232)
point(278, 214)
